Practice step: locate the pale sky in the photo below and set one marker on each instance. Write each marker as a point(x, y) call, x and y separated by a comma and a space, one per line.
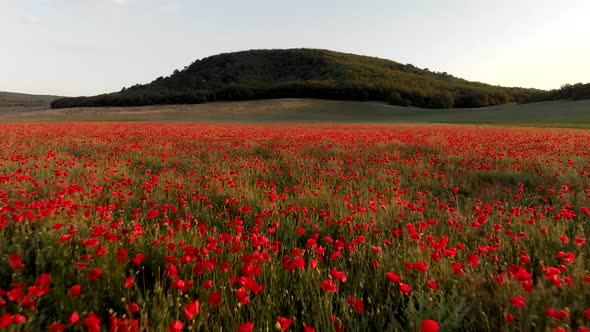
point(86, 47)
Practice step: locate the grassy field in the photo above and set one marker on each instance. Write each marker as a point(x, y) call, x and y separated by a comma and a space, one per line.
point(556, 114)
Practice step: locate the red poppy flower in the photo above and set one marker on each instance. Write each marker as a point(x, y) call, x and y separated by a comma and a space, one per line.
point(15, 261)
point(56, 327)
point(527, 286)
point(152, 214)
point(420, 266)
point(192, 309)
point(290, 264)
point(138, 259)
point(100, 251)
point(509, 318)
point(338, 275)
point(129, 281)
point(432, 284)
point(43, 279)
point(75, 290)
point(313, 264)
point(473, 260)
point(242, 294)
point(393, 277)
point(245, 327)
point(92, 323)
point(15, 294)
point(404, 288)
point(429, 326)
point(94, 274)
point(18, 319)
point(175, 326)
point(91, 243)
point(132, 307)
point(359, 306)
point(329, 286)
point(73, 318)
point(6, 320)
point(518, 301)
point(214, 299)
point(284, 322)
point(178, 284)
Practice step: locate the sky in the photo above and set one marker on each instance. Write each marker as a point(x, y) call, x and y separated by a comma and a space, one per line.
point(87, 47)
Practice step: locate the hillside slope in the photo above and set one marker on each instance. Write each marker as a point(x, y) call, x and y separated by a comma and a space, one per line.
point(12, 99)
point(306, 73)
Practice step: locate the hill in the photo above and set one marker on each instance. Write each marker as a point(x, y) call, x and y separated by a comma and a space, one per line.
point(306, 73)
point(11, 99)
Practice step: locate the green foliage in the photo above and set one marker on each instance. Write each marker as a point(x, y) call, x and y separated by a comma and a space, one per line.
point(578, 91)
point(306, 73)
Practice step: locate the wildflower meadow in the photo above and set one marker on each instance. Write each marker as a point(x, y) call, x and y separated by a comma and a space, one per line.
point(203, 227)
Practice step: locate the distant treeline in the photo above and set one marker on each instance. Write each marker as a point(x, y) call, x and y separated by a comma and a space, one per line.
point(310, 89)
point(306, 73)
point(576, 91)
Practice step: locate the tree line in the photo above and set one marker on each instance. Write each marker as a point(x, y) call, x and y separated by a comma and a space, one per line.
point(576, 91)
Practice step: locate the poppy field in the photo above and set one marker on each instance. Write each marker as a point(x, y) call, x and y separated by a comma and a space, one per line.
point(203, 227)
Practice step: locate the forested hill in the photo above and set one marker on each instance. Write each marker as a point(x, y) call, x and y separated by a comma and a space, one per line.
point(306, 73)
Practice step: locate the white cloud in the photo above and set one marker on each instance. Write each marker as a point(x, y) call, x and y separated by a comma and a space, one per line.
point(120, 2)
